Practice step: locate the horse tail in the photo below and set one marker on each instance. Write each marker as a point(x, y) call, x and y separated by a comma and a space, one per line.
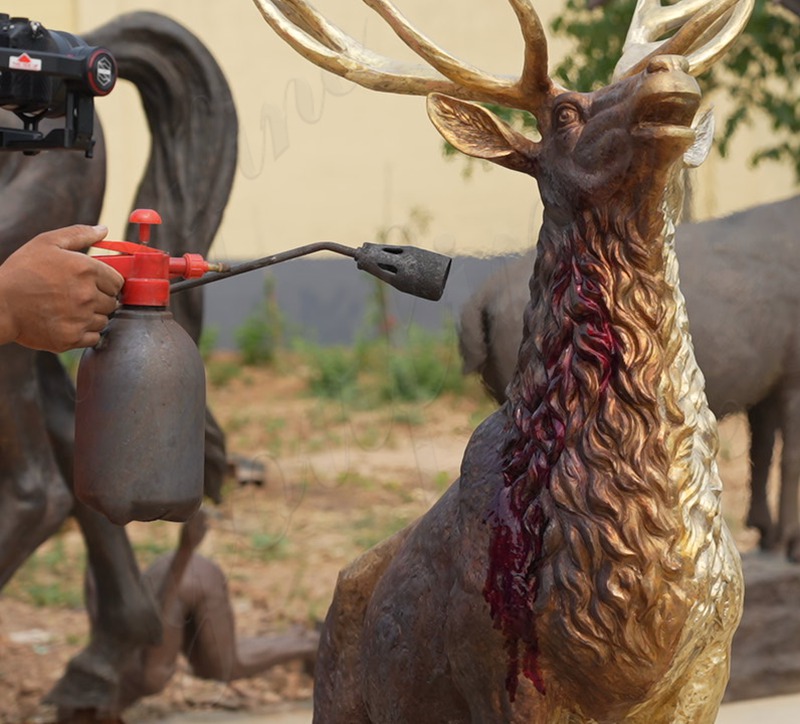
point(193, 129)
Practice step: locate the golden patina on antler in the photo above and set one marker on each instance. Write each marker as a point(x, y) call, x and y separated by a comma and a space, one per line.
point(579, 570)
point(326, 45)
point(705, 30)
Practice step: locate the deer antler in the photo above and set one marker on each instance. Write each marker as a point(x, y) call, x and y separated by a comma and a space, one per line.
point(705, 30)
point(326, 45)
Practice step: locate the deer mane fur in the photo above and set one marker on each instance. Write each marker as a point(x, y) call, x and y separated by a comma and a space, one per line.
point(607, 469)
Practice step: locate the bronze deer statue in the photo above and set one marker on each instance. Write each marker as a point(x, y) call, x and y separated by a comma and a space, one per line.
point(741, 267)
point(579, 569)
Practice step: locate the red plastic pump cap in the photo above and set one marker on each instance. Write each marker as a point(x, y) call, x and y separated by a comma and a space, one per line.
point(145, 218)
point(147, 271)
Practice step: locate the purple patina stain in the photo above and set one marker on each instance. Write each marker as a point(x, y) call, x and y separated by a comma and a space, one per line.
point(581, 337)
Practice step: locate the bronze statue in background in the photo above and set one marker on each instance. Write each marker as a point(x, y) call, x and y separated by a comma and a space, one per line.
point(192, 596)
point(579, 570)
point(192, 119)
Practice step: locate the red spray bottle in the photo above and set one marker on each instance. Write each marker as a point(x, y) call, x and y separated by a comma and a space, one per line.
point(140, 408)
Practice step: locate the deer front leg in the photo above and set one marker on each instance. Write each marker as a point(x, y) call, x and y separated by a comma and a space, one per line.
point(213, 651)
point(788, 510)
point(338, 693)
point(763, 419)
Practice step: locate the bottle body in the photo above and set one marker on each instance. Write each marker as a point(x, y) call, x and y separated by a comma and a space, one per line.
point(140, 420)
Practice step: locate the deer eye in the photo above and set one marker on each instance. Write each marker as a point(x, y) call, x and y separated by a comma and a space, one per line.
point(567, 115)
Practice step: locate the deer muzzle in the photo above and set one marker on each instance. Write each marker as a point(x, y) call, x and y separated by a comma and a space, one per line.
point(667, 100)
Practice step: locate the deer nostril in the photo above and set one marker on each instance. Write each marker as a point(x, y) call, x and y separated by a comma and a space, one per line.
point(666, 63)
point(658, 65)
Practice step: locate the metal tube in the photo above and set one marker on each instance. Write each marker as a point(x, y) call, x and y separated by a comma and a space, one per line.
point(264, 262)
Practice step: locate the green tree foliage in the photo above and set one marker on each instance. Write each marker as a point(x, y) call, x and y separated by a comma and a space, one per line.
point(759, 74)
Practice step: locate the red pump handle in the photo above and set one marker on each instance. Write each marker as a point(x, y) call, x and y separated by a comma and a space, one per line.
point(147, 271)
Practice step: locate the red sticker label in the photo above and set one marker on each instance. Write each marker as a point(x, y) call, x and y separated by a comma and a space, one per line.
point(24, 62)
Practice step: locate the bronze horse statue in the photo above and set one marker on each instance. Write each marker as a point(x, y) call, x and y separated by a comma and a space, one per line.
point(199, 623)
point(579, 570)
point(193, 126)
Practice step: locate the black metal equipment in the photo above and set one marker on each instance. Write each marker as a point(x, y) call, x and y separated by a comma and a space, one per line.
point(50, 74)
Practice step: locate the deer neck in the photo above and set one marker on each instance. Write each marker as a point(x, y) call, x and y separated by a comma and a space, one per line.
point(602, 456)
point(694, 443)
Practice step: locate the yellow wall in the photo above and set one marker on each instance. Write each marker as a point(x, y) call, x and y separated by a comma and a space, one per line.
point(322, 159)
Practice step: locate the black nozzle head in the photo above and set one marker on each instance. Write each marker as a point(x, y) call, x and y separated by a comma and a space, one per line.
point(407, 268)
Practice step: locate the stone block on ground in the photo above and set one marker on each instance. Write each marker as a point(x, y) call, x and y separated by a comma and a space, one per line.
point(765, 660)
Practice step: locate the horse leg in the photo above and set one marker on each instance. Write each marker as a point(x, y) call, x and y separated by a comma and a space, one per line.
point(126, 619)
point(763, 418)
point(210, 643)
point(34, 499)
point(788, 510)
point(126, 614)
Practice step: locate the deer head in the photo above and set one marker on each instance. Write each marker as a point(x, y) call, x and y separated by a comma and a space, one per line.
point(593, 146)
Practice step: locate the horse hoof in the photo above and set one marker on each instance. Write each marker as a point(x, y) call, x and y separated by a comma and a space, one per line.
point(768, 539)
point(759, 518)
point(793, 549)
point(89, 684)
point(86, 716)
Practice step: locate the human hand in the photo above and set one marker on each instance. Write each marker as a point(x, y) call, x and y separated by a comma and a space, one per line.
point(54, 298)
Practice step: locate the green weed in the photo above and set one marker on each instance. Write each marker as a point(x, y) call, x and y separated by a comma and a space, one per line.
point(407, 415)
point(52, 576)
point(221, 372)
point(238, 422)
point(423, 368)
point(442, 480)
point(419, 368)
point(268, 546)
point(353, 479)
point(151, 548)
point(208, 342)
point(55, 594)
point(334, 372)
point(259, 336)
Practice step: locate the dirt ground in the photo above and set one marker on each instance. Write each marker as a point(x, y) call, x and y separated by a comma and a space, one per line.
point(338, 480)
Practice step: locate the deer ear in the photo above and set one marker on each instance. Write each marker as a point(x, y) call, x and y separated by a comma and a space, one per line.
point(476, 131)
point(704, 139)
